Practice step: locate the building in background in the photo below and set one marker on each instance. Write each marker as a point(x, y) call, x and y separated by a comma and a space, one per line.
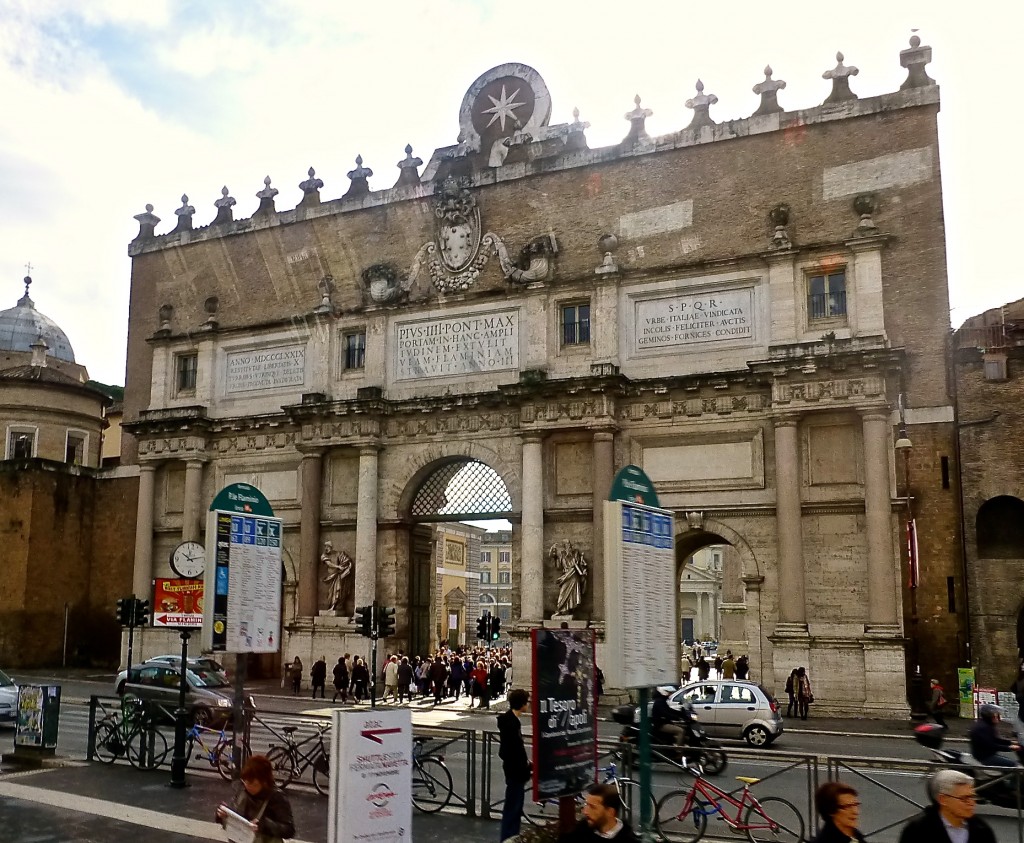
point(457, 591)
point(496, 576)
point(988, 371)
point(700, 595)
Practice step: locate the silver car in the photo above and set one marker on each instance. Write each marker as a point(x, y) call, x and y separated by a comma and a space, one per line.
point(8, 700)
point(733, 708)
point(208, 695)
point(202, 662)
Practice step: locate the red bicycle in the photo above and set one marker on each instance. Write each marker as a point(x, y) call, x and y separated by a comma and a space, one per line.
point(682, 815)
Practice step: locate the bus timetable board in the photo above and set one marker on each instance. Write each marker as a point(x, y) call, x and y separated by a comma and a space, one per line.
point(640, 586)
point(244, 615)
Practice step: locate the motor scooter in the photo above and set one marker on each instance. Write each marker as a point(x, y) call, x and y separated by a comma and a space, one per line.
point(992, 783)
point(697, 746)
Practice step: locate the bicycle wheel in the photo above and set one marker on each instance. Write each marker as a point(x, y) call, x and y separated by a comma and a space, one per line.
point(109, 743)
point(713, 760)
point(283, 763)
point(675, 826)
point(431, 785)
point(776, 819)
point(540, 813)
point(629, 793)
point(223, 760)
point(322, 774)
point(147, 749)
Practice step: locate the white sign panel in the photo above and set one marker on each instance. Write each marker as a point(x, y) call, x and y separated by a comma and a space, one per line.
point(266, 368)
point(687, 320)
point(640, 596)
point(371, 777)
point(245, 582)
point(462, 345)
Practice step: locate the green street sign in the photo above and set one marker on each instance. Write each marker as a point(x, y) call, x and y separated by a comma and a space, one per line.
point(241, 497)
point(633, 485)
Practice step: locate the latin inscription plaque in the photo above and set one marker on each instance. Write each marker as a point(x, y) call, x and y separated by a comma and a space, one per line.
point(684, 320)
point(460, 345)
point(266, 368)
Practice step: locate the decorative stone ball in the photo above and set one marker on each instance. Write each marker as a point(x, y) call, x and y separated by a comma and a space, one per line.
point(607, 243)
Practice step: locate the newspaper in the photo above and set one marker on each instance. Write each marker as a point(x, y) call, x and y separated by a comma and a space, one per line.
point(237, 827)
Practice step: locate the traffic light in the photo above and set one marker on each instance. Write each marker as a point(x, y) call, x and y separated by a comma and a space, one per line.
point(141, 612)
point(482, 628)
point(385, 622)
point(124, 610)
point(364, 621)
point(495, 629)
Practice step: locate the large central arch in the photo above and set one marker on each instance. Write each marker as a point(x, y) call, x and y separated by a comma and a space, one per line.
point(451, 488)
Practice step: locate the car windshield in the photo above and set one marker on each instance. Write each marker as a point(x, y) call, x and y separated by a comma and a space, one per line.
point(5, 680)
point(207, 678)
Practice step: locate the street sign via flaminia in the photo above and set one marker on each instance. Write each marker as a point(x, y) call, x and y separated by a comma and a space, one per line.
point(633, 485)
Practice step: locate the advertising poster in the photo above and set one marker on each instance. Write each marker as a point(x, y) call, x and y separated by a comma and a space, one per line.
point(38, 716)
point(965, 683)
point(371, 777)
point(564, 721)
point(984, 696)
point(178, 603)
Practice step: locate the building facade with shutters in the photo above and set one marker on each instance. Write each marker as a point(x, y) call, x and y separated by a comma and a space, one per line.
point(739, 308)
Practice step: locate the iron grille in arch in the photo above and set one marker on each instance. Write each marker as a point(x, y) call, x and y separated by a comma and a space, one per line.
point(463, 488)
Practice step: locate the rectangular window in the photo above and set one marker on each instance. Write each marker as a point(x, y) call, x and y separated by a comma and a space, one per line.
point(945, 472)
point(826, 295)
point(485, 557)
point(504, 557)
point(485, 576)
point(355, 350)
point(576, 324)
point(504, 577)
point(74, 450)
point(995, 367)
point(21, 445)
point(951, 594)
point(187, 367)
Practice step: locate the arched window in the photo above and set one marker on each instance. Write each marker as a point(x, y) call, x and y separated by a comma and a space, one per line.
point(487, 599)
point(1000, 528)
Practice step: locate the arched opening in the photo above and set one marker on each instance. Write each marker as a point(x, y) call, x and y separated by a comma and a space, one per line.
point(461, 544)
point(999, 528)
point(710, 585)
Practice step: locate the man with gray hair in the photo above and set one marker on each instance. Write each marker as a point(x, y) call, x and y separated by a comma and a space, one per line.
point(950, 817)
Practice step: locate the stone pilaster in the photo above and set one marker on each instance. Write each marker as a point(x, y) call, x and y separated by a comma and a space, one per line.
point(531, 588)
point(792, 608)
point(309, 532)
point(366, 527)
point(191, 521)
point(142, 582)
point(604, 474)
point(881, 565)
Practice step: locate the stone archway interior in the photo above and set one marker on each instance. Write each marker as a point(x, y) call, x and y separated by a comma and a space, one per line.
point(710, 590)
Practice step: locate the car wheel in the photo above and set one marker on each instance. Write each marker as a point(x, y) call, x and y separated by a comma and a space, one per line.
point(202, 716)
point(757, 736)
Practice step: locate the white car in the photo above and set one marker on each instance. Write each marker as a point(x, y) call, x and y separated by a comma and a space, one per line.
point(8, 700)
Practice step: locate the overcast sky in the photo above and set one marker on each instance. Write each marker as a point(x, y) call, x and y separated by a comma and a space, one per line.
point(110, 104)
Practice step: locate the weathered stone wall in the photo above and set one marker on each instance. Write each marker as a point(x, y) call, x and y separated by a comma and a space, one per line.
point(66, 538)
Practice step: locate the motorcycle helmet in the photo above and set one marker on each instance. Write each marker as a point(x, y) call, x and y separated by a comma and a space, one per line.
point(665, 690)
point(988, 712)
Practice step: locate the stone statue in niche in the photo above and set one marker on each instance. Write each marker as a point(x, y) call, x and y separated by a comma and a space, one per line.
point(572, 579)
point(340, 568)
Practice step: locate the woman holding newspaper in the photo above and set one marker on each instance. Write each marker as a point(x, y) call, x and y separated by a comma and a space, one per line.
point(259, 813)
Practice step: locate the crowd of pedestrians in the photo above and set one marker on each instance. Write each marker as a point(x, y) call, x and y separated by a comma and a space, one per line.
point(478, 675)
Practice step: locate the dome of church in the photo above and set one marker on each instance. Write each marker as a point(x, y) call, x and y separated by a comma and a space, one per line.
point(22, 325)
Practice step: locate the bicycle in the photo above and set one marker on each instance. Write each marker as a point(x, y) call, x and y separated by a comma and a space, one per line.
point(132, 734)
point(220, 755)
point(432, 786)
point(682, 815)
point(547, 811)
point(290, 762)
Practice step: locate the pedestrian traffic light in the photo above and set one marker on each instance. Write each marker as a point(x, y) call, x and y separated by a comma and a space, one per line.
point(124, 610)
point(385, 622)
point(495, 629)
point(482, 631)
point(141, 612)
point(364, 621)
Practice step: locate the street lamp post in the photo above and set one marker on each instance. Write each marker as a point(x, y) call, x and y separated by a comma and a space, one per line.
point(178, 761)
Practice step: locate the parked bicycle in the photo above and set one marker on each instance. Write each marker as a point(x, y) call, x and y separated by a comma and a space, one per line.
point(542, 813)
point(431, 779)
point(682, 815)
point(220, 754)
point(131, 734)
point(292, 760)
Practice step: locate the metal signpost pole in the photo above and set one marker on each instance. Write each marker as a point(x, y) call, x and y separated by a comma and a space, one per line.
point(178, 761)
point(373, 655)
point(239, 715)
point(131, 630)
point(646, 820)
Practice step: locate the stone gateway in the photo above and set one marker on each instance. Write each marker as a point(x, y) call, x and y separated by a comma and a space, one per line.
point(545, 312)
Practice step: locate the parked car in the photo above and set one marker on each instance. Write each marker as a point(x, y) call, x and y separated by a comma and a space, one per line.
point(8, 700)
point(209, 696)
point(201, 662)
point(734, 708)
